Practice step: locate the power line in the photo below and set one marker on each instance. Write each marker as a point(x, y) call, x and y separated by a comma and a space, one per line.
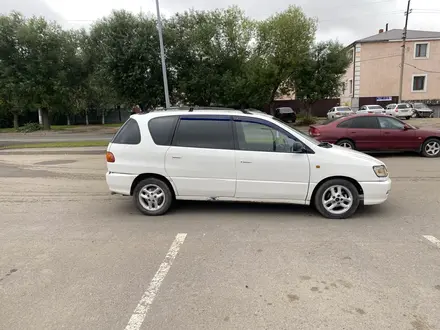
point(428, 71)
point(363, 14)
point(378, 58)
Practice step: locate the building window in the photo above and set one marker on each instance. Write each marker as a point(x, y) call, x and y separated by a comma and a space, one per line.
point(350, 55)
point(421, 50)
point(419, 83)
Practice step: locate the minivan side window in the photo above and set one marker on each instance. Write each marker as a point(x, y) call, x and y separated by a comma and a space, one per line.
point(258, 137)
point(129, 133)
point(162, 129)
point(210, 133)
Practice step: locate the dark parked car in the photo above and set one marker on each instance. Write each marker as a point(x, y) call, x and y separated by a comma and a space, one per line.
point(285, 114)
point(378, 133)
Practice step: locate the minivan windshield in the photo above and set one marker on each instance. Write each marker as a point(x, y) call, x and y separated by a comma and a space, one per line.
point(287, 128)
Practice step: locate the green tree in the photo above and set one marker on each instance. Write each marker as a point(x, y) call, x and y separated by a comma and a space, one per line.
point(43, 47)
point(128, 49)
point(319, 75)
point(12, 66)
point(283, 42)
point(208, 55)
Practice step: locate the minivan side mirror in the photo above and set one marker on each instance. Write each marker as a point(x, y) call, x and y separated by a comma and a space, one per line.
point(297, 147)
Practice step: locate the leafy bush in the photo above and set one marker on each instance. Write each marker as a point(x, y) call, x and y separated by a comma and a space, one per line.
point(30, 127)
point(307, 121)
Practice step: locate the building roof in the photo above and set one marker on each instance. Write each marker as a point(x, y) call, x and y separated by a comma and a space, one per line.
point(396, 34)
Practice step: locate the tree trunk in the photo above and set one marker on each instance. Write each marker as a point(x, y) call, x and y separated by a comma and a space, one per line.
point(16, 120)
point(40, 117)
point(68, 120)
point(45, 116)
point(87, 118)
point(271, 103)
point(103, 118)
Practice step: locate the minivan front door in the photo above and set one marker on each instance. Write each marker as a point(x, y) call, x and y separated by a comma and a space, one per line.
point(201, 159)
point(267, 169)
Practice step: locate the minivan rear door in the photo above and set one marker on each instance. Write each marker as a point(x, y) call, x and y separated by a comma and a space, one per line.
point(201, 158)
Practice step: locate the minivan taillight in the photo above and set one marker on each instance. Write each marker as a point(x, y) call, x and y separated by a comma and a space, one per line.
point(313, 131)
point(110, 157)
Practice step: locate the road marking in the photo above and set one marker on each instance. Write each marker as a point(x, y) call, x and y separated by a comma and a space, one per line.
point(433, 240)
point(146, 301)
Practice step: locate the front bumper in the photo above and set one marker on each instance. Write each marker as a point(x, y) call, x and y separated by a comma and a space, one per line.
point(376, 192)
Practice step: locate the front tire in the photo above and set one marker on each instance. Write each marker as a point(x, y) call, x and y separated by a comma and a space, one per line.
point(152, 197)
point(337, 199)
point(346, 144)
point(408, 118)
point(431, 148)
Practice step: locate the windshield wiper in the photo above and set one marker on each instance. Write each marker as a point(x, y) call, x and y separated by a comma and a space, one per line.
point(325, 145)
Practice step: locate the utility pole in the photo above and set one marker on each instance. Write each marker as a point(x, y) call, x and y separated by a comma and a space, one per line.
point(162, 56)
point(402, 61)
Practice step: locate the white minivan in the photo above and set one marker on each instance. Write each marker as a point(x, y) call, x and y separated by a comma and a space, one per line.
point(232, 155)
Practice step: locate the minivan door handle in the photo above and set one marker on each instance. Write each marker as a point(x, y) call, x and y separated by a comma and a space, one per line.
point(245, 162)
point(176, 157)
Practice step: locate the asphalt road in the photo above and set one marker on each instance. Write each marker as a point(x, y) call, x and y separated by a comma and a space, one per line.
point(74, 257)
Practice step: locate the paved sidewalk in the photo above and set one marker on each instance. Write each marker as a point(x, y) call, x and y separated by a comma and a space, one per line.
point(55, 151)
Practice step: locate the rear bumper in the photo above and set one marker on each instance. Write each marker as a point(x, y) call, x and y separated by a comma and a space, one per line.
point(376, 192)
point(119, 183)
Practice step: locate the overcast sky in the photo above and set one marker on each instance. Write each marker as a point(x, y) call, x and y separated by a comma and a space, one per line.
point(345, 20)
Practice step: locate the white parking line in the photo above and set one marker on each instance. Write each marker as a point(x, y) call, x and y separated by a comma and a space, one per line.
point(433, 240)
point(142, 308)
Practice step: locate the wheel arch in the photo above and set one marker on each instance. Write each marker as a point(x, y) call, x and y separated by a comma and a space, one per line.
point(434, 137)
point(144, 176)
point(353, 181)
point(349, 139)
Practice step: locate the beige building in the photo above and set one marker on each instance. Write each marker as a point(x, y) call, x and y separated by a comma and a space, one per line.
point(374, 74)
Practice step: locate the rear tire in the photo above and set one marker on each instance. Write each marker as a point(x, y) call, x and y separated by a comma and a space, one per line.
point(345, 143)
point(408, 118)
point(431, 148)
point(337, 199)
point(152, 197)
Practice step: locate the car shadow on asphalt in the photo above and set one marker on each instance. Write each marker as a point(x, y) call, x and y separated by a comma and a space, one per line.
point(192, 208)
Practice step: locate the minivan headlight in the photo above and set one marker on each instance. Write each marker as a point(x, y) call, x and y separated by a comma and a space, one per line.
point(381, 171)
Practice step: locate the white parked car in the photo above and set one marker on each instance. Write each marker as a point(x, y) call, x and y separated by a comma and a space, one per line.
point(231, 155)
point(338, 112)
point(373, 109)
point(399, 110)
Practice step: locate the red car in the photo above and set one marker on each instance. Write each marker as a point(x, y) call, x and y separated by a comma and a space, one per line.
point(378, 133)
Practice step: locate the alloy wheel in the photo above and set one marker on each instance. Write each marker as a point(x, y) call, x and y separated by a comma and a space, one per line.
point(432, 148)
point(337, 199)
point(152, 197)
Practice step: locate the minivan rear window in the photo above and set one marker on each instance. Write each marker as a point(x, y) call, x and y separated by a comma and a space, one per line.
point(129, 133)
point(162, 129)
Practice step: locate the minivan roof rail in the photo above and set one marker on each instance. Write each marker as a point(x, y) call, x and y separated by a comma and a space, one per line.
point(191, 109)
